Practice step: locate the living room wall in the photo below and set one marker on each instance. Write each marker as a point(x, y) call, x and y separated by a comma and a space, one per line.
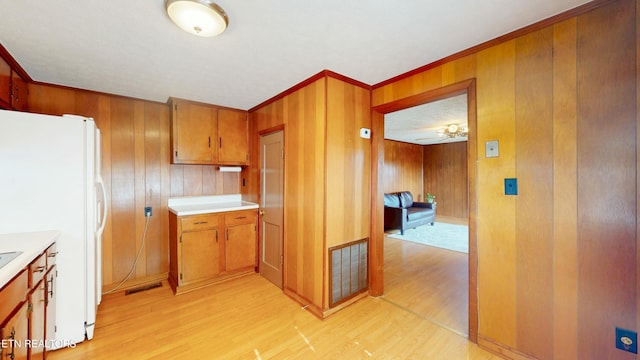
point(402, 169)
point(557, 265)
point(439, 169)
point(445, 176)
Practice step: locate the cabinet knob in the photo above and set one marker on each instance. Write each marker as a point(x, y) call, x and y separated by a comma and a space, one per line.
point(39, 269)
point(261, 212)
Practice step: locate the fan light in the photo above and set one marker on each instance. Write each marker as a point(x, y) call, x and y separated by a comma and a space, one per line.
point(454, 130)
point(198, 17)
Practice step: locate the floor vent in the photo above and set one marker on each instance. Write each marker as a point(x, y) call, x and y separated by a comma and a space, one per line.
point(143, 288)
point(349, 270)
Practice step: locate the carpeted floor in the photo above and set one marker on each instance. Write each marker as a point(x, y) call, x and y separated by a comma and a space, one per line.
point(442, 235)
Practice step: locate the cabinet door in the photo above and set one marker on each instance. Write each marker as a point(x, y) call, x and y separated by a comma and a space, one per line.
point(5, 84)
point(240, 248)
point(37, 299)
point(199, 255)
point(50, 309)
point(19, 92)
point(193, 134)
point(233, 137)
point(14, 335)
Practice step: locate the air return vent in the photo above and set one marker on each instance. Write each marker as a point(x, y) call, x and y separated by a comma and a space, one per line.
point(349, 270)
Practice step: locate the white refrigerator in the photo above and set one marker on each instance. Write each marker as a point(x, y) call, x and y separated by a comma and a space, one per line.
point(50, 180)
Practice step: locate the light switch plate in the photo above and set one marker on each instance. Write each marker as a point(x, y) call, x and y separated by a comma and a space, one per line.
point(491, 148)
point(365, 133)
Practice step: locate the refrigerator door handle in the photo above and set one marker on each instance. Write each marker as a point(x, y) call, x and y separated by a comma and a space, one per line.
point(103, 221)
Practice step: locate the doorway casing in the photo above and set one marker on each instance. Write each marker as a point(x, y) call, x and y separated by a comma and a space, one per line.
point(376, 255)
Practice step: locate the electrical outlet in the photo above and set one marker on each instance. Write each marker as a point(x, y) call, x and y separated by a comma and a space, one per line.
point(147, 211)
point(627, 340)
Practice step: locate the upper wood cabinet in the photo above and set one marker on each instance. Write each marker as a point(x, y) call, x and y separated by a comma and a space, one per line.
point(13, 87)
point(208, 134)
point(19, 92)
point(233, 133)
point(5, 84)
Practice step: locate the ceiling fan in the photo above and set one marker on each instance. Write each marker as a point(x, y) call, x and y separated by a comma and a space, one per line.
point(454, 130)
point(449, 132)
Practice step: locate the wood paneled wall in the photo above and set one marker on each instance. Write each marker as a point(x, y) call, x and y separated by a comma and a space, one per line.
point(302, 113)
point(558, 263)
point(348, 172)
point(607, 165)
point(445, 176)
point(403, 168)
point(327, 167)
point(137, 173)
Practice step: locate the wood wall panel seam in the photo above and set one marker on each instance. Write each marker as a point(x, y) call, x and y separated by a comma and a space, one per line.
point(534, 169)
point(565, 193)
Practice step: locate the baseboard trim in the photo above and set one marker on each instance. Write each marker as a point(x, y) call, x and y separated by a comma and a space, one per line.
point(344, 304)
point(502, 350)
point(306, 303)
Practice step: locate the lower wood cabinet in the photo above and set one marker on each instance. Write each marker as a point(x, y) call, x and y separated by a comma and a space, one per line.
point(37, 306)
point(26, 309)
point(240, 235)
point(15, 334)
point(209, 248)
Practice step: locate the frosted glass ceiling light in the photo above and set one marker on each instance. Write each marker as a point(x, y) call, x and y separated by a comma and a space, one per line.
point(198, 17)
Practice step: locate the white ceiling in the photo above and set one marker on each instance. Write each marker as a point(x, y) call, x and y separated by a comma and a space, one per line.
point(424, 124)
point(131, 48)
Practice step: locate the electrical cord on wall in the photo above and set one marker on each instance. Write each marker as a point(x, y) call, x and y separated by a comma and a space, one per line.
point(135, 262)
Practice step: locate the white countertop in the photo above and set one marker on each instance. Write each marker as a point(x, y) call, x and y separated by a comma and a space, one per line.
point(194, 205)
point(31, 244)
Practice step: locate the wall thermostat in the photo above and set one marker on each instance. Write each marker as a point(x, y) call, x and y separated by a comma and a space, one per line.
point(365, 133)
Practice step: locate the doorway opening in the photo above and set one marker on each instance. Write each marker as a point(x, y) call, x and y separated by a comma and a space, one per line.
point(378, 248)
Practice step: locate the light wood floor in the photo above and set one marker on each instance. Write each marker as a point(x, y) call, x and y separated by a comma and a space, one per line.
point(249, 318)
point(431, 282)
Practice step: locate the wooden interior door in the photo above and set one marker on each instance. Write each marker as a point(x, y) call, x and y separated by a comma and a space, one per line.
point(272, 206)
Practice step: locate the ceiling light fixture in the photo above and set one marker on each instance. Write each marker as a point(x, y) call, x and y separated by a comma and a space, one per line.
point(454, 130)
point(198, 17)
